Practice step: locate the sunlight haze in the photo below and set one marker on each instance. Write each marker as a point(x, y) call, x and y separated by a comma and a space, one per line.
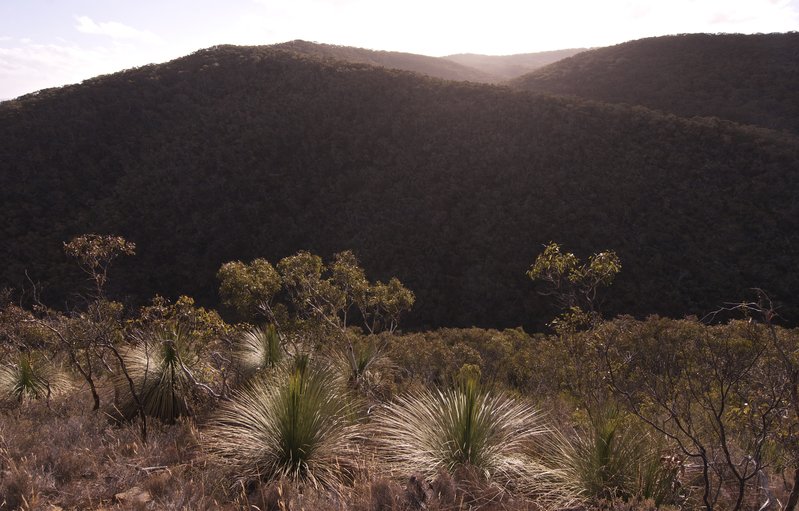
point(48, 43)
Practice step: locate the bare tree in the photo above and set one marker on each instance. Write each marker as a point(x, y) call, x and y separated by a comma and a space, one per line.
point(706, 389)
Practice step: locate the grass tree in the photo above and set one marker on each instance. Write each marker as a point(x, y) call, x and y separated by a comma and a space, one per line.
point(157, 377)
point(615, 458)
point(290, 423)
point(30, 377)
point(362, 365)
point(257, 349)
point(466, 426)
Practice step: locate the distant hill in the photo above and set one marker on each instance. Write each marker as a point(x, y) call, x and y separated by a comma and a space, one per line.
point(462, 67)
point(751, 79)
point(506, 67)
point(243, 152)
point(431, 66)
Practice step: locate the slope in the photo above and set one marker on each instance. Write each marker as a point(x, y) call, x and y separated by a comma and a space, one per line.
point(422, 64)
point(751, 79)
point(243, 152)
point(507, 67)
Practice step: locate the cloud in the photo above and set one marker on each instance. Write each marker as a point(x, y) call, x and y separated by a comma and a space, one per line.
point(114, 30)
point(753, 16)
point(24, 59)
point(28, 67)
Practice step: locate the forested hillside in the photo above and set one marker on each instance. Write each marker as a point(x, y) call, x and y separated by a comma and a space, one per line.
point(750, 79)
point(431, 66)
point(243, 152)
point(461, 67)
point(506, 67)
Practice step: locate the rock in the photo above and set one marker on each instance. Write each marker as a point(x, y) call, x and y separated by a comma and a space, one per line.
point(134, 495)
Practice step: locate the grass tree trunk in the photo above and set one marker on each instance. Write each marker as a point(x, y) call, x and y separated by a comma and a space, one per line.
point(793, 499)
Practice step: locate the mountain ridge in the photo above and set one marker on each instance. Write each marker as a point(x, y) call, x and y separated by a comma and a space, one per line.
point(243, 152)
point(751, 79)
point(431, 66)
point(507, 67)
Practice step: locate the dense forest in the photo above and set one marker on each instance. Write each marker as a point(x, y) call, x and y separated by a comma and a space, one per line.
point(243, 152)
point(750, 79)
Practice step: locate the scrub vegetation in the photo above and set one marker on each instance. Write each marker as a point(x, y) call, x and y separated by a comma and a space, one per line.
point(327, 405)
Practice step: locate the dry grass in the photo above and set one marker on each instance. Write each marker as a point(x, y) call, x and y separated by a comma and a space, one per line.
point(65, 455)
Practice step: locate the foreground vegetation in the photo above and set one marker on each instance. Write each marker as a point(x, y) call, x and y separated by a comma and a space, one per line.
point(329, 406)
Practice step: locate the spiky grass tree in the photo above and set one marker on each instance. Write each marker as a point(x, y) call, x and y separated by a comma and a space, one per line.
point(31, 377)
point(291, 423)
point(615, 459)
point(258, 349)
point(160, 366)
point(466, 426)
point(361, 364)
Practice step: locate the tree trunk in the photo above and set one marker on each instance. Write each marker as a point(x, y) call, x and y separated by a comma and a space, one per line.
point(95, 395)
point(794, 497)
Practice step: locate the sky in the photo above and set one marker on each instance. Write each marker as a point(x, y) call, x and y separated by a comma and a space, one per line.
point(49, 43)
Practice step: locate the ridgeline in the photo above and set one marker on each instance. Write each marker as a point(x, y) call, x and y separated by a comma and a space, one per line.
point(233, 153)
point(749, 79)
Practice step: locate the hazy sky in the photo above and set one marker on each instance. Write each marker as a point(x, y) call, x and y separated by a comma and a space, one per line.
point(46, 43)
